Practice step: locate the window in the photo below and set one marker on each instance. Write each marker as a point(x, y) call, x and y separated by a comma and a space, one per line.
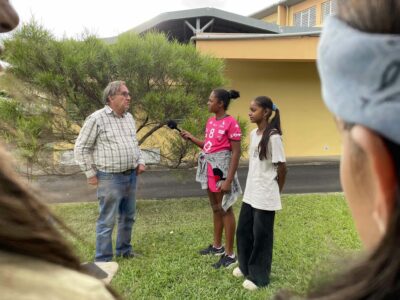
point(328, 8)
point(305, 18)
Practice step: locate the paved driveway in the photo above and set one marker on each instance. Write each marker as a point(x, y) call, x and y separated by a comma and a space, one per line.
point(163, 184)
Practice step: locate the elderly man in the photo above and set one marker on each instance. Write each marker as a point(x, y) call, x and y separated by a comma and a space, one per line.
point(108, 152)
point(30, 244)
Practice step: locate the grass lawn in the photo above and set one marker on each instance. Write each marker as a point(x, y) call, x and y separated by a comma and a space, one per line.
point(310, 230)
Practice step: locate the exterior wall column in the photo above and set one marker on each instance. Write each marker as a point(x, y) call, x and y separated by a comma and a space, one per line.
point(282, 15)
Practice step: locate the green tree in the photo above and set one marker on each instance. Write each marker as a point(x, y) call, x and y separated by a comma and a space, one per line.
point(66, 74)
point(168, 80)
point(26, 129)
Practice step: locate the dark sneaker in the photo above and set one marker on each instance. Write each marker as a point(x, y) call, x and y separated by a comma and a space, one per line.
point(130, 255)
point(212, 250)
point(226, 262)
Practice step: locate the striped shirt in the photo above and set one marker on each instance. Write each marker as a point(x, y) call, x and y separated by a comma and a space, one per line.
point(107, 143)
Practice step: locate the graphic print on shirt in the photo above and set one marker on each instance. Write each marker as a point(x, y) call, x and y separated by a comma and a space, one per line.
point(207, 146)
point(219, 133)
point(236, 135)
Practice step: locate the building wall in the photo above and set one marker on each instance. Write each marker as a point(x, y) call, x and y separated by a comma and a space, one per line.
point(271, 18)
point(308, 128)
point(288, 20)
point(282, 15)
point(303, 6)
point(298, 48)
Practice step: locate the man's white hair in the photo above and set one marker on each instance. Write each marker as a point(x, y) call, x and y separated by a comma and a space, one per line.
point(112, 89)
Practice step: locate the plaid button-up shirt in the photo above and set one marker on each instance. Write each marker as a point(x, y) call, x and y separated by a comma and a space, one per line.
point(107, 143)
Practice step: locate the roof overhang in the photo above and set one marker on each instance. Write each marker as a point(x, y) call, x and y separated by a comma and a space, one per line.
point(182, 25)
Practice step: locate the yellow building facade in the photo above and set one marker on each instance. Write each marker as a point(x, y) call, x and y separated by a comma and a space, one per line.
point(282, 66)
point(308, 128)
point(306, 13)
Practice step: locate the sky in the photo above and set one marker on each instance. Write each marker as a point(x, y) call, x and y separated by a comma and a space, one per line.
point(70, 18)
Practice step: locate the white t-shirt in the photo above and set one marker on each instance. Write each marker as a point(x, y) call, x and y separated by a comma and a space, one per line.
point(262, 190)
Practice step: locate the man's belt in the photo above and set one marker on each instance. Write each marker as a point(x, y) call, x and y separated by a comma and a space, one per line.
point(127, 172)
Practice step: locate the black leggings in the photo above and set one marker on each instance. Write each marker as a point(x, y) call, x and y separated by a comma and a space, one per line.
point(255, 237)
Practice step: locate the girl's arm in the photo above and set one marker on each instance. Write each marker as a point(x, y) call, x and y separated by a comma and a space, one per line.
point(233, 165)
point(188, 136)
point(282, 170)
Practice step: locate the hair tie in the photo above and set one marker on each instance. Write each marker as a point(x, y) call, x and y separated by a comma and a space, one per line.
point(274, 107)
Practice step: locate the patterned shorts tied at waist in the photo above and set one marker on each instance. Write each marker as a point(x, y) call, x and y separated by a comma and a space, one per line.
point(220, 160)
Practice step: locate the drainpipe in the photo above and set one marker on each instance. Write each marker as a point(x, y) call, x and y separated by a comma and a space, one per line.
point(287, 15)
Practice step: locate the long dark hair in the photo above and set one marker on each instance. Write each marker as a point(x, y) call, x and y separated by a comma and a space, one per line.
point(226, 96)
point(273, 125)
point(378, 276)
point(27, 226)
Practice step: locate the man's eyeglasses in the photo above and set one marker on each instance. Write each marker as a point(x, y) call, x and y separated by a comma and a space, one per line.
point(125, 94)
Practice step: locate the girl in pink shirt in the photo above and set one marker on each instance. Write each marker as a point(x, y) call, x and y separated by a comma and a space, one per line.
point(216, 172)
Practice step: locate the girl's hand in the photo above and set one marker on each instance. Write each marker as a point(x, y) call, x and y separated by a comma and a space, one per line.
point(186, 135)
point(225, 186)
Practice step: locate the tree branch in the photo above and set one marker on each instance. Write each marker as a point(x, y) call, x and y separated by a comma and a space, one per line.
point(143, 124)
point(151, 131)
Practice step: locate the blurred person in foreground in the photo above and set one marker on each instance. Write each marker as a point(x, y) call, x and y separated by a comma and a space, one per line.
point(359, 66)
point(36, 262)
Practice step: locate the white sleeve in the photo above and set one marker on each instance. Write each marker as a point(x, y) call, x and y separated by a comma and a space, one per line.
point(83, 149)
point(278, 154)
point(249, 145)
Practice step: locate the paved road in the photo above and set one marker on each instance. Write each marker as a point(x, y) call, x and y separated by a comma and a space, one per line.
point(163, 184)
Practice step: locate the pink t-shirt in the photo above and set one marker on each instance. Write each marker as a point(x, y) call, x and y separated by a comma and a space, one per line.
point(219, 133)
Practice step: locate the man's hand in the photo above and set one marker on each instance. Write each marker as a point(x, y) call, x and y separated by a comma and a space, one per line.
point(140, 169)
point(92, 180)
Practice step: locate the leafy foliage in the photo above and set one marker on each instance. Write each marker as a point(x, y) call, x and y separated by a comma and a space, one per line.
point(26, 129)
point(168, 80)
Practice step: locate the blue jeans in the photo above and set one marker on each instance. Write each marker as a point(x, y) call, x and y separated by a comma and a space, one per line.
point(116, 195)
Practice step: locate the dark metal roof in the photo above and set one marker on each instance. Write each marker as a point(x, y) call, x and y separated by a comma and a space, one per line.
point(173, 24)
point(273, 8)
